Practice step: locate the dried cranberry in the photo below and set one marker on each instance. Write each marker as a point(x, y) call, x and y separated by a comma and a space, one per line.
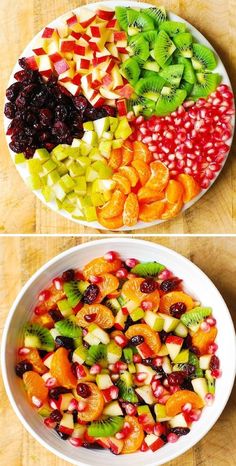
point(60, 113)
point(55, 392)
point(189, 369)
point(68, 275)
point(214, 362)
point(180, 430)
point(80, 102)
point(29, 152)
point(195, 350)
point(176, 378)
point(10, 110)
point(91, 294)
point(13, 91)
point(170, 284)
point(148, 285)
point(163, 335)
point(90, 317)
point(75, 416)
point(92, 446)
point(65, 342)
point(187, 341)
point(23, 63)
point(83, 390)
point(61, 434)
point(55, 315)
point(137, 340)
point(56, 415)
point(45, 116)
point(177, 309)
point(22, 367)
point(111, 111)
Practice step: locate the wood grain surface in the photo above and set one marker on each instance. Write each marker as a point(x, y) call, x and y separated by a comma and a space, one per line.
point(21, 257)
point(21, 212)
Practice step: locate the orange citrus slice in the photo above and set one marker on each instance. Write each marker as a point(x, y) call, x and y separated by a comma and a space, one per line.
point(152, 211)
point(131, 174)
point(134, 440)
point(143, 171)
point(131, 210)
point(202, 340)
point(147, 195)
point(174, 191)
point(34, 358)
point(109, 284)
point(171, 210)
point(61, 369)
point(35, 386)
point(94, 406)
point(127, 153)
point(99, 266)
point(115, 159)
point(122, 183)
point(191, 187)
point(154, 297)
point(131, 290)
point(141, 152)
point(178, 400)
point(150, 336)
point(115, 206)
point(159, 176)
point(173, 297)
point(109, 223)
point(104, 317)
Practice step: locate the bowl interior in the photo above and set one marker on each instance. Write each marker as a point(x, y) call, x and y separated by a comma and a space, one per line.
point(195, 281)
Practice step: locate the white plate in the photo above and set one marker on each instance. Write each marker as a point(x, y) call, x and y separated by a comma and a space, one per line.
point(198, 285)
point(28, 52)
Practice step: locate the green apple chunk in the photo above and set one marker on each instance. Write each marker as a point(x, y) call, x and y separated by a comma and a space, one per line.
point(113, 409)
point(147, 370)
point(200, 387)
point(145, 392)
point(170, 323)
point(154, 321)
point(114, 352)
point(99, 333)
point(101, 125)
point(123, 129)
point(103, 381)
point(160, 412)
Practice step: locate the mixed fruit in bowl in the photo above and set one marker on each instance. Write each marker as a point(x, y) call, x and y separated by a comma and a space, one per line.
point(119, 355)
point(119, 116)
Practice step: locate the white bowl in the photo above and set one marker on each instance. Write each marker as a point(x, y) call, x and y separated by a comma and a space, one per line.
point(195, 281)
point(28, 52)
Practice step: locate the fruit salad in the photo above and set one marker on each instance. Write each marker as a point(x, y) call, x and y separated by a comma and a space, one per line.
point(119, 116)
point(119, 356)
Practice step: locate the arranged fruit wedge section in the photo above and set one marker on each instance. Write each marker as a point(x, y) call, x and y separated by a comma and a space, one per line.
point(135, 438)
point(61, 369)
point(97, 313)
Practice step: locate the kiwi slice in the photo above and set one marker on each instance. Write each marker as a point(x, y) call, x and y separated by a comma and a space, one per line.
point(126, 393)
point(206, 84)
point(164, 47)
point(193, 359)
point(39, 337)
point(195, 316)
point(69, 328)
point(97, 354)
point(138, 22)
point(113, 305)
point(148, 269)
point(150, 36)
point(106, 427)
point(172, 27)
point(121, 14)
point(138, 47)
point(170, 99)
point(173, 74)
point(158, 14)
point(150, 88)
point(186, 86)
point(188, 74)
point(72, 292)
point(130, 70)
point(203, 58)
point(183, 42)
point(149, 74)
point(151, 65)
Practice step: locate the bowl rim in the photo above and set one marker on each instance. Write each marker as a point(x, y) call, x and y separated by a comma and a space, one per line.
point(140, 224)
point(139, 242)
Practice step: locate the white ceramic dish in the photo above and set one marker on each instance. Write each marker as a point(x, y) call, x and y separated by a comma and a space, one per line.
point(28, 52)
point(196, 282)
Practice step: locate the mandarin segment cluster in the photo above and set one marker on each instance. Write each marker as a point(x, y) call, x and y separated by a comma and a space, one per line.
point(119, 356)
point(119, 116)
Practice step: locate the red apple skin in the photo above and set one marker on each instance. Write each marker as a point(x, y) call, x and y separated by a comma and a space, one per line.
point(84, 64)
point(103, 442)
point(61, 66)
point(47, 33)
point(79, 50)
point(107, 80)
point(67, 46)
point(76, 35)
point(120, 35)
point(143, 347)
point(72, 20)
point(110, 65)
point(85, 24)
point(112, 23)
point(122, 111)
point(157, 444)
point(105, 14)
point(98, 103)
point(116, 445)
point(65, 430)
point(95, 31)
point(76, 79)
point(31, 62)
point(107, 394)
point(55, 57)
point(174, 339)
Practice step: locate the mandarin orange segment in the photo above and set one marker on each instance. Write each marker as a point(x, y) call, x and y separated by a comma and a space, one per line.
point(35, 386)
point(131, 210)
point(179, 399)
point(141, 152)
point(150, 336)
point(202, 339)
point(174, 191)
point(171, 210)
point(131, 174)
point(99, 266)
point(104, 317)
point(110, 223)
point(94, 404)
point(143, 171)
point(191, 187)
point(55, 295)
point(131, 290)
point(45, 320)
point(152, 211)
point(154, 297)
point(109, 284)
point(34, 358)
point(159, 176)
point(122, 183)
point(61, 369)
point(168, 299)
point(115, 159)
point(148, 195)
point(115, 206)
point(127, 153)
point(134, 440)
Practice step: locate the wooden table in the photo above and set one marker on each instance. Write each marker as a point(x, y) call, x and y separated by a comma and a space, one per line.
point(21, 212)
point(21, 257)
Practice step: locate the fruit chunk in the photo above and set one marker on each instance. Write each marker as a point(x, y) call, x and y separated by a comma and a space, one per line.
point(151, 338)
point(99, 266)
point(159, 176)
point(173, 344)
point(106, 427)
point(174, 191)
point(102, 316)
point(122, 183)
point(135, 439)
point(141, 152)
point(202, 340)
point(200, 387)
point(94, 403)
point(114, 206)
point(112, 223)
point(131, 290)
point(147, 269)
point(131, 210)
point(39, 337)
point(168, 299)
point(35, 387)
point(108, 285)
point(34, 358)
point(179, 399)
point(143, 170)
point(191, 187)
point(61, 369)
point(152, 211)
point(195, 316)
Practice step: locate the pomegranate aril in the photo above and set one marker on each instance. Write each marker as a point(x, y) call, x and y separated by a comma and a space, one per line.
point(120, 366)
point(140, 376)
point(76, 442)
point(137, 358)
point(122, 273)
point(95, 279)
point(172, 438)
point(44, 295)
point(144, 447)
point(57, 283)
point(23, 350)
point(110, 256)
point(216, 373)
point(51, 382)
point(95, 369)
point(209, 399)
point(212, 348)
point(49, 423)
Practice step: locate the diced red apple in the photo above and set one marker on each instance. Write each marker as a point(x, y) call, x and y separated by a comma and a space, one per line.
point(45, 66)
point(97, 43)
point(108, 68)
point(173, 344)
point(105, 13)
point(113, 50)
point(66, 45)
point(112, 24)
point(120, 36)
point(61, 66)
point(107, 94)
point(125, 91)
point(144, 350)
point(75, 35)
point(154, 442)
point(72, 20)
point(53, 47)
point(50, 33)
point(121, 107)
point(76, 79)
point(116, 76)
point(97, 101)
point(103, 441)
point(55, 57)
point(64, 401)
point(107, 81)
point(32, 62)
point(47, 360)
point(72, 88)
point(41, 46)
point(63, 29)
point(86, 17)
point(67, 424)
point(116, 445)
point(82, 65)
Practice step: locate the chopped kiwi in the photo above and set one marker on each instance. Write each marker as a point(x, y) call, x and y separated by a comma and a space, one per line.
point(106, 427)
point(150, 88)
point(186, 86)
point(151, 65)
point(170, 99)
point(82, 286)
point(150, 36)
point(203, 58)
point(148, 269)
point(149, 74)
point(183, 42)
point(195, 316)
point(164, 47)
point(39, 337)
point(188, 74)
point(97, 354)
point(206, 84)
point(113, 305)
point(172, 74)
point(158, 14)
point(172, 27)
point(126, 393)
point(138, 47)
point(138, 22)
point(72, 293)
point(121, 14)
point(210, 382)
point(69, 328)
point(131, 70)
point(193, 359)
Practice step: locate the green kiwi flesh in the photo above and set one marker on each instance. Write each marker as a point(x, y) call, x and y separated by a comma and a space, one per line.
point(205, 85)
point(150, 88)
point(203, 58)
point(72, 293)
point(39, 337)
point(195, 316)
point(138, 47)
point(106, 427)
point(158, 14)
point(148, 269)
point(170, 100)
point(131, 70)
point(164, 47)
point(97, 354)
point(172, 27)
point(173, 74)
point(183, 42)
point(121, 14)
point(69, 328)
